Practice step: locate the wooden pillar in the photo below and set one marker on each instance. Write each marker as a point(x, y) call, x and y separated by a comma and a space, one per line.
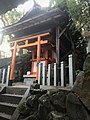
point(57, 54)
point(46, 57)
point(32, 62)
point(13, 63)
point(38, 57)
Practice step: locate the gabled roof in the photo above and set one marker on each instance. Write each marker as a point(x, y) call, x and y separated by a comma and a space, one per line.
point(38, 19)
point(34, 11)
point(6, 5)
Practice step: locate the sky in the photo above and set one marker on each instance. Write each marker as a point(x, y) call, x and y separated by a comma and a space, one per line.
point(27, 5)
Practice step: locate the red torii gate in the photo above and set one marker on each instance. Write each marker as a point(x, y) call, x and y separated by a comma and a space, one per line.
point(15, 45)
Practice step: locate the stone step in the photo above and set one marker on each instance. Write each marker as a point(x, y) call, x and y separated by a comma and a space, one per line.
point(7, 108)
point(10, 98)
point(4, 116)
point(45, 87)
point(15, 90)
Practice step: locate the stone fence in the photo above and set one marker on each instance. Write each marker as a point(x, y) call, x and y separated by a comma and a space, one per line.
point(49, 76)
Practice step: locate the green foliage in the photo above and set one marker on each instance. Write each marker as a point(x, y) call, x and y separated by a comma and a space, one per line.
point(79, 45)
point(11, 17)
point(79, 11)
point(73, 8)
point(56, 2)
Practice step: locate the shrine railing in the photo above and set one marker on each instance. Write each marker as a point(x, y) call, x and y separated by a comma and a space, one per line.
point(4, 75)
point(49, 76)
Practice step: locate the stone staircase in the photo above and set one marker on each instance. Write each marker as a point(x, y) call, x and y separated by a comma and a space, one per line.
point(10, 97)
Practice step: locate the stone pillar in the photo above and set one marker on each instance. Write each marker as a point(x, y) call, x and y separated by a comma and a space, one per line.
point(62, 74)
point(49, 75)
point(0, 75)
point(55, 74)
point(44, 74)
point(7, 77)
point(70, 71)
point(40, 74)
point(3, 77)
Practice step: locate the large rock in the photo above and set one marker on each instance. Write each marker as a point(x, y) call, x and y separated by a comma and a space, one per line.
point(45, 101)
point(82, 84)
point(37, 91)
point(75, 108)
point(58, 101)
point(52, 105)
point(44, 107)
point(43, 112)
point(24, 110)
point(86, 65)
point(78, 83)
point(32, 101)
point(30, 106)
point(54, 115)
point(34, 116)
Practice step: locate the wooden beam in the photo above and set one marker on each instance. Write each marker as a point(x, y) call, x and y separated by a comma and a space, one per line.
point(41, 59)
point(31, 37)
point(46, 57)
point(62, 32)
point(32, 62)
point(30, 45)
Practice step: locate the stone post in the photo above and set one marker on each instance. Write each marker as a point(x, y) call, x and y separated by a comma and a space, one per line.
point(62, 74)
point(3, 77)
point(44, 74)
point(40, 74)
point(70, 71)
point(8, 74)
point(49, 75)
point(55, 74)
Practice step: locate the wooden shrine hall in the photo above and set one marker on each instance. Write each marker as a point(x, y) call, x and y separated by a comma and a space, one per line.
point(44, 33)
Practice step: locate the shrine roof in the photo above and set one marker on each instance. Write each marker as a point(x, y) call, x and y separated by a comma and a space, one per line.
point(38, 19)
